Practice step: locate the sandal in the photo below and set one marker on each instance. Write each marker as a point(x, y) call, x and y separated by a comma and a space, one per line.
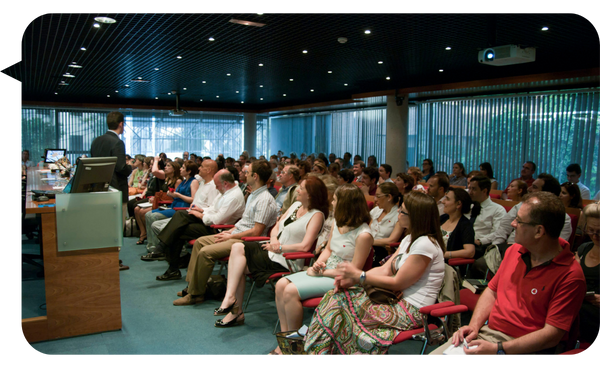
point(140, 242)
point(223, 311)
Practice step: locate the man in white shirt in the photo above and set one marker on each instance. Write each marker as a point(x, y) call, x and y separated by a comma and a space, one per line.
point(573, 175)
point(385, 171)
point(504, 236)
point(491, 213)
point(205, 195)
point(259, 216)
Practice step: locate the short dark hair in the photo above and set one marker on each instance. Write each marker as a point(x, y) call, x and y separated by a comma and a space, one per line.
point(192, 167)
point(263, 169)
point(113, 119)
point(387, 168)
point(347, 175)
point(233, 171)
point(488, 169)
point(372, 173)
point(483, 182)
point(550, 184)
point(442, 181)
point(574, 168)
point(546, 210)
point(463, 197)
point(532, 164)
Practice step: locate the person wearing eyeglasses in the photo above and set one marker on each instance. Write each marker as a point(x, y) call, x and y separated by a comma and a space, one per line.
point(534, 298)
point(384, 220)
point(588, 256)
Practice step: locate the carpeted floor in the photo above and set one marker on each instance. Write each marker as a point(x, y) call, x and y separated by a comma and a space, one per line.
point(152, 325)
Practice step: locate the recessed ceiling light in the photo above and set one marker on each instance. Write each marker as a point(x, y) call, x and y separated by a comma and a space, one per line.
point(217, 96)
point(545, 28)
point(229, 74)
point(203, 81)
point(211, 39)
point(107, 95)
point(178, 56)
point(261, 98)
point(284, 95)
point(448, 48)
point(75, 66)
point(261, 86)
point(127, 85)
point(62, 83)
point(105, 20)
point(388, 78)
point(237, 91)
point(312, 90)
point(96, 25)
point(117, 91)
point(200, 100)
point(55, 93)
point(246, 23)
point(367, 31)
point(83, 49)
point(169, 93)
point(305, 51)
point(291, 79)
point(185, 88)
point(156, 98)
point(380, 62)
point(242, 101)
point(156, 69)
point(345, 84)
point(329, 71)
point(441, 70)
point(260, 64)
point(68, 75)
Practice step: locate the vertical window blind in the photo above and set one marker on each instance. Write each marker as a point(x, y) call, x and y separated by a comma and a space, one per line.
point(552, 130)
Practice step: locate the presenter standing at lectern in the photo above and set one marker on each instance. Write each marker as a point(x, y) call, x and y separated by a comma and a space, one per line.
point(110, 145)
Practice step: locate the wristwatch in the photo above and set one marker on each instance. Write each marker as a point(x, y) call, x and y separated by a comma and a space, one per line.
point(500, 349)
point(361, 279)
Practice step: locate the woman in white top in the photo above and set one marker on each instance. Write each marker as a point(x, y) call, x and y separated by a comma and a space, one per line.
point(347, 321)
point(295, 232)
point(384, 224)
point(350, 241)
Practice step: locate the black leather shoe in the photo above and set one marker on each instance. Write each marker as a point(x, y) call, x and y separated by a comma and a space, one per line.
point(167, 276)
point(153, 257)
point(223, 311)
point(237, 321)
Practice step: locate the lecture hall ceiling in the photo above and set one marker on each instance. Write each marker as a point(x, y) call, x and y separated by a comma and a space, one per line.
point(293, 59)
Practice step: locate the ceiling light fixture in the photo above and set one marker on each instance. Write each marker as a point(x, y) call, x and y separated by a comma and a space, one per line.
point(291, 79)
point(448, 48)
point(545, 28)
point(380, 62)
point(284, 95)
point(441, 70)
point(367, 31)
point(211, 39)
point(117, 91)
point(178, 56)
point(305, 51)
point(105, 20)
point(156, 69)
point(345, 84)
point(96, 25)
point(261, 98)
point(156, 98)
point(140, 80)
point(261, 86)
point(107, 95)
point(74, 65)
point(388, 78)
point(83, 49)
point(246, 23)
point(203, 81)
point(329, 71)
point(68, 75)
point(242, 101)
point(260, 64)
point(312, 90)
point(237, 91)
point(229, 74)
point(217, 96)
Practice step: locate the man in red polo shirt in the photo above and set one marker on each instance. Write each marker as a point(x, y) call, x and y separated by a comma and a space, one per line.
point(534, 297)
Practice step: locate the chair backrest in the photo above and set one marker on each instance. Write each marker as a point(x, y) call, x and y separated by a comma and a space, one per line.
point(496, 193)
point(369, 261)
point(459, 186)
point(574, 214)
point(587, 201)
point(504, 203)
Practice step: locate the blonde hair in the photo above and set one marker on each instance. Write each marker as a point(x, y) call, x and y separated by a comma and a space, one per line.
point(417, 172)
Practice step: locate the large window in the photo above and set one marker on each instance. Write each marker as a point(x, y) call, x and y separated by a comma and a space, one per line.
point(552, 130)
point(146, 132)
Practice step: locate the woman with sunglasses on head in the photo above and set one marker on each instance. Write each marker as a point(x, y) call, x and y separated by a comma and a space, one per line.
point(347, 321)
point(570, 195)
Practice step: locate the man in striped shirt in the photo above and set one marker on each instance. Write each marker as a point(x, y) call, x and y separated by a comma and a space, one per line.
point(259, 216)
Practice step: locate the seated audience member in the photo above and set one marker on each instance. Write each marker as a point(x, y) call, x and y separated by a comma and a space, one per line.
point(310, 159)
point(573, 175)
point(516, 190)
point(297, 231)
point(271, 183)
point(347, 163)
point(345, 177)
point(136, 177)
point(370, 177)
point(225, 209)
point(131, 204)
point(458, 177)
point(385, 171)
point(384, 220)
point(348, 322)
point(322, 157)
point(588, 255)
point(332, 184)
point(183, 196)
point(486, 170)
point(470, 176)
point(243, 158)
point(237, 165)
point(334, 169)
point(243, 184)
point(273, 162)
point(258, 217)
point(487, 221)
point(437, 187)
point(428, 170)
point(534, 298)
point(417, 175)
point(504, 236)
point(372, 162)
point(169, 178)
point(357, 158)
point(340, 162)
point(289, 178)
point(304, 168)
point(457, 230)
point(319, 167)
point(332, 158)
point(350, 241)
point(26, 162)
point(405, 183)
point(570, 196)
point(357, 169)
point(527, 172)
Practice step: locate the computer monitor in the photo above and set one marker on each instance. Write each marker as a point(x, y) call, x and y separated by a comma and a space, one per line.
point(52, 155)
point(92, 174)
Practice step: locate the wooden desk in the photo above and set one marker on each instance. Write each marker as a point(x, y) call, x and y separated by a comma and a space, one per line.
point(83, 294)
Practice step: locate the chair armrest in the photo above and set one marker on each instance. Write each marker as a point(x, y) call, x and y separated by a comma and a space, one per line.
point(255, 238)
point(298, 255)
point(429, 308)
point(394, 245)
point(460, 261)
point(441, 312)
point(222, 226)
point(165, 202)
point(180, 208)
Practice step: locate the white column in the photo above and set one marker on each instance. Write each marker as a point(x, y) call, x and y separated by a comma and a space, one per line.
point(250, 133)
point(396, 137)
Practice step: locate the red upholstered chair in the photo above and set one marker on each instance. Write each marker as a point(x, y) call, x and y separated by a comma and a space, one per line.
point(370, 205)
point(574, 214)
point(457, 262)
point(435, 328)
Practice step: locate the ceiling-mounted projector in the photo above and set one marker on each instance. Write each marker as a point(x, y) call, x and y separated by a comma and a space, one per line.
point(177, 112)
point(507, 55)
